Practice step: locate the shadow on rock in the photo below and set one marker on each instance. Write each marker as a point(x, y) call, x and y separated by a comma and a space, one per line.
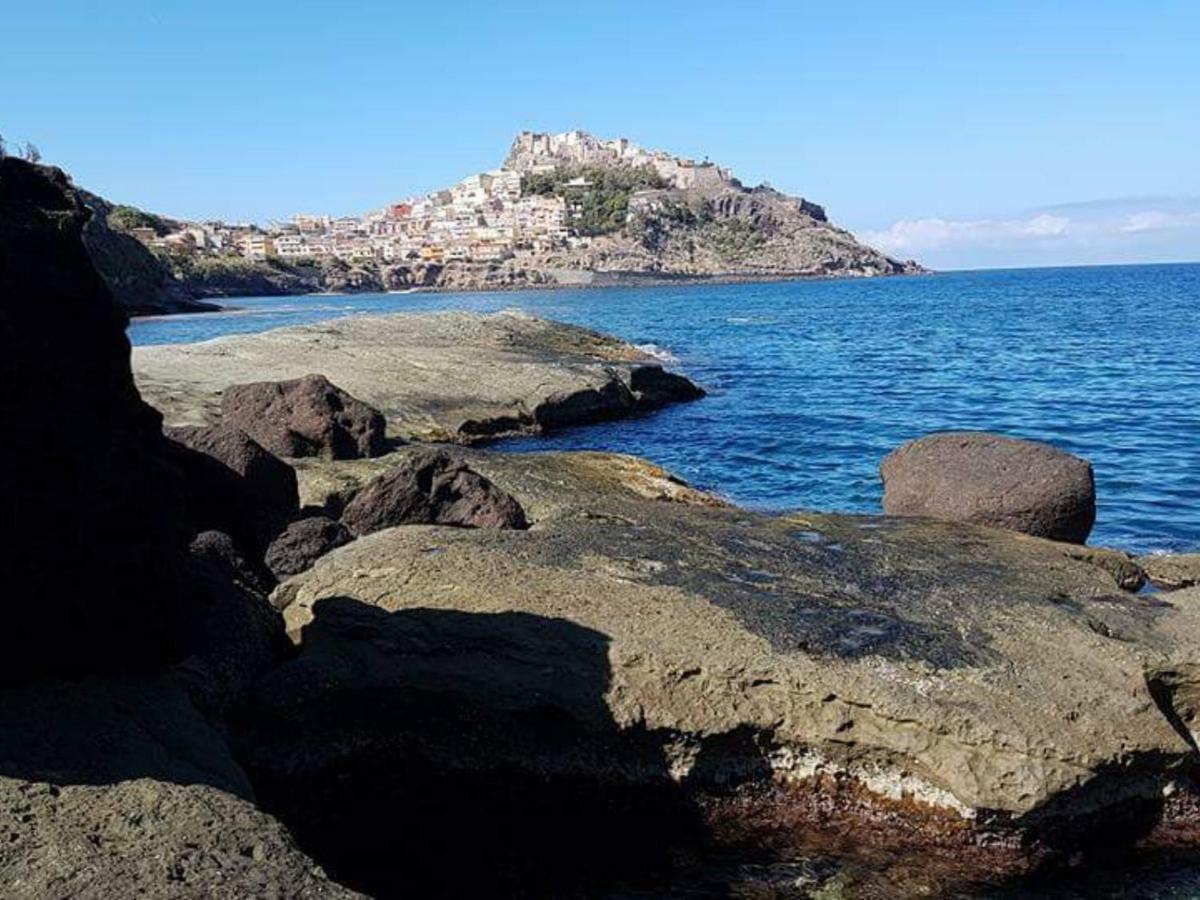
point(446, 753)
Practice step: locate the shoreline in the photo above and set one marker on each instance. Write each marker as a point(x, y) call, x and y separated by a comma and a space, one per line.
point(600, 281)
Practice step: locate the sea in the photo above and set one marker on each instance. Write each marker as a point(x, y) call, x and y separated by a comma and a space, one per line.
point(811, 383)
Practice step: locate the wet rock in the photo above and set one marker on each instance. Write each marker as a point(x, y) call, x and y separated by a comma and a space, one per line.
point(992, 480)
point(1171, 571)
point(438, 376)
point(307, 416)
point(916, 684)
point(234, 485)
point(303, 542)
point(93, 536)
point(654, 387)
point(432, 488)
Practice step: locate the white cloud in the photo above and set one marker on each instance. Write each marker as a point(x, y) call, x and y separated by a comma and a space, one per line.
point(1123, 230)
point(1158, 220)
point(917, 235)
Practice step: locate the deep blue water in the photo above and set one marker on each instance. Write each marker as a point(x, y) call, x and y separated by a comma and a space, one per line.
point(812, 383)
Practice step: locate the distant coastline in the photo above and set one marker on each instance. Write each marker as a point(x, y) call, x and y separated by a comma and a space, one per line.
point(564, 209)
point(594, 280)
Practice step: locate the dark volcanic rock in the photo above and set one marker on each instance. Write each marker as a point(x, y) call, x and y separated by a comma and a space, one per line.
point(308, 416)
point(303, 542)
point(220, 551)
point(988, 479)
point(234, 485)
point(115, 781)
point(93, 511)
point(654, 387)
point(432, 489)
point(235, 638)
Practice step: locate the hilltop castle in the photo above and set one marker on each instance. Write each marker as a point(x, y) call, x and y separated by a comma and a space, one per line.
point(536, 152)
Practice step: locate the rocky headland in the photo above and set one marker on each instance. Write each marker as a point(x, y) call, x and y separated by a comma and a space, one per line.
point(598, 212)
point(380, 667)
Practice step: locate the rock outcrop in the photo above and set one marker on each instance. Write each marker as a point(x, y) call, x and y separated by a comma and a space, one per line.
point(140, 282)
point(303, 542)
point(94, 541)
point(220, 551)
point(1171, 571)
point(442, 376)
point(691, 219)
point(120, 650)
point(642, 680)
point(683, 668)
point(233, 484)
point(307, 416)
point(1124, 569)
point(432, 488)
point(989, 479)
point(121, 788)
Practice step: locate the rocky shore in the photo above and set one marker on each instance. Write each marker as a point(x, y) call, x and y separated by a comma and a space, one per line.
point(287, 648)
point(442, 376)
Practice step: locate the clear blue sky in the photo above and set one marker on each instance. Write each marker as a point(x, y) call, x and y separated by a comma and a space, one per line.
point(977, 115)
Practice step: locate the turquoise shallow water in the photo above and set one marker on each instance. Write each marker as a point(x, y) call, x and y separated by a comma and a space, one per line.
point(812, 383)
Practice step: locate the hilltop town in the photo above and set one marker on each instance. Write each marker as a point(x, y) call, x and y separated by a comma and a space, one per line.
point(564, 208)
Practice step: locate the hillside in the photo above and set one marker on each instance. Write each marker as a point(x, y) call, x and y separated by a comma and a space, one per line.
point(563, 209)
point(140, 282)
point(671, 215)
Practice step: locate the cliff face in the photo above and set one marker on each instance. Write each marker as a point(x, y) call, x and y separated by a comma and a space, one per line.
point(138, 280)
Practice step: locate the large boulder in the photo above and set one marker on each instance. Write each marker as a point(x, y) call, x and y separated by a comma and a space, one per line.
point(307, 416)
point(233, 484)
point(235, 637)
point(93, 540)
point(667, 670)
point(989, 479)
point(303, 542)
point(432, 488)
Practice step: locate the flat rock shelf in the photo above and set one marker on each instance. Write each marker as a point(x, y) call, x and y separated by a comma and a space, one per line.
point(984, 698)
point(443, 376)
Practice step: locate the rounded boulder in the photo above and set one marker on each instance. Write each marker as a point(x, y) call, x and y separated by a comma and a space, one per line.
point(989, 479)
point(432, 488)
point(307, 416)
point(303, 542)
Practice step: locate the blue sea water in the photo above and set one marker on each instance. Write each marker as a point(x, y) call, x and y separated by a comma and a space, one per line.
point(812, 383)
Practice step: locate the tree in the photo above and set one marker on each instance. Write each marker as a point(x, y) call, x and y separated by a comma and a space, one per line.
point(31, 153)
point(3, 147)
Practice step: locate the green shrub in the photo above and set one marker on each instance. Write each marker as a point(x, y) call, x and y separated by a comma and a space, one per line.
point(601, 207)
point(732, 238)
point(127, 218)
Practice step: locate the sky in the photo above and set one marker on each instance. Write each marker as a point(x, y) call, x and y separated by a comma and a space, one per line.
point(963, 134)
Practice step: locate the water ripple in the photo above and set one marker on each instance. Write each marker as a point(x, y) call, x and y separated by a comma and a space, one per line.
point(812, 383)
